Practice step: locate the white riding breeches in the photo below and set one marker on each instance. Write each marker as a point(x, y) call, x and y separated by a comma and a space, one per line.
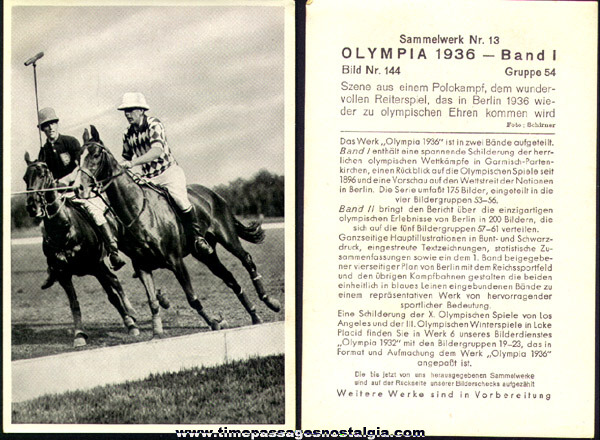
point(173, 179)
point(95, 206)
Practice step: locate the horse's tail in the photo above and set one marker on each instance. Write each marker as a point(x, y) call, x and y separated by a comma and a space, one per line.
point(254, 233)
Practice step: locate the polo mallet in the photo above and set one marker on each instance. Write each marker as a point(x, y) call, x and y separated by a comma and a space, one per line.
point(30, 61)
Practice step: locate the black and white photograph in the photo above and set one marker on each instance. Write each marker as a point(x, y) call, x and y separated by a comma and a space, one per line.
point(145, 154)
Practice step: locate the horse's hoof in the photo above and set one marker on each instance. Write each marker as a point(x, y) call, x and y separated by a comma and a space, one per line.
point(116, 262)
point(163, 300)
point(134, 331)
point(48, 283)
point(79, 341)
point(158, 336)
point(272, 303)
point(218, 325)
point(256, 319)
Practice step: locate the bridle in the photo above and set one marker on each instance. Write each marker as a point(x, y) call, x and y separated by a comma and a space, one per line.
point(38, 194)
point(100, 186)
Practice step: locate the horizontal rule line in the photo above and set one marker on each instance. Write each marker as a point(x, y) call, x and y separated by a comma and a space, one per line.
point(443, 132)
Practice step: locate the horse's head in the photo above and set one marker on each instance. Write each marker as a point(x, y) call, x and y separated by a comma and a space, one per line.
point(97, 165)
point(37, 177)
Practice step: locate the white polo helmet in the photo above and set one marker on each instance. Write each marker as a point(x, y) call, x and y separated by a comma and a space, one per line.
point(133, 100)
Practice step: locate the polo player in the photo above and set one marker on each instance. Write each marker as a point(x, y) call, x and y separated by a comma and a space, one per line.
point(61, 154)
point(145, 144)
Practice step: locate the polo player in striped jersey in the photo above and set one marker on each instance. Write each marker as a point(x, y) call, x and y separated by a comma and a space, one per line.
point(145, 144)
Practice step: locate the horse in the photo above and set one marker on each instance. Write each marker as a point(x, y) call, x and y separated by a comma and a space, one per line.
point(72, 246)
point(156, 237)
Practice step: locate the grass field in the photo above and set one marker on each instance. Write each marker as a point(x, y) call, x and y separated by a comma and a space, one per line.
point(42, 322)
point(249, 392)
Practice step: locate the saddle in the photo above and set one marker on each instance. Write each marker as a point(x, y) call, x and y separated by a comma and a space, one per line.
point(200, 215)
point(161, 191)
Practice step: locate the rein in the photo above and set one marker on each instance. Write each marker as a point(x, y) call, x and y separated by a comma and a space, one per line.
point(136, 218)
point(62, 200)
point(106, 182)
point(48, 182)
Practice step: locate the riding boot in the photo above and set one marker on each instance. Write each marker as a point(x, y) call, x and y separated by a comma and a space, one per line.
point(111, 244)
point(197, 228)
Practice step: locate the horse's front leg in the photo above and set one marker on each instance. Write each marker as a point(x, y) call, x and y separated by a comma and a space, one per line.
point(79, 336)
point(183, 277)
point(148, 282)
point(117, 297)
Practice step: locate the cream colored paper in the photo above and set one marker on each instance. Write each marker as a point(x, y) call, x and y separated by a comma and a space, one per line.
point(352, 45)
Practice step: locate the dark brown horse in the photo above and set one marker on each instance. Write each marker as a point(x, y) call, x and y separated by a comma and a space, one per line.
point(72, 246)
point(155, 238)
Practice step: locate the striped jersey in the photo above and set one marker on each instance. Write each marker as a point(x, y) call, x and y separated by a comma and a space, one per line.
point(138, 140)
